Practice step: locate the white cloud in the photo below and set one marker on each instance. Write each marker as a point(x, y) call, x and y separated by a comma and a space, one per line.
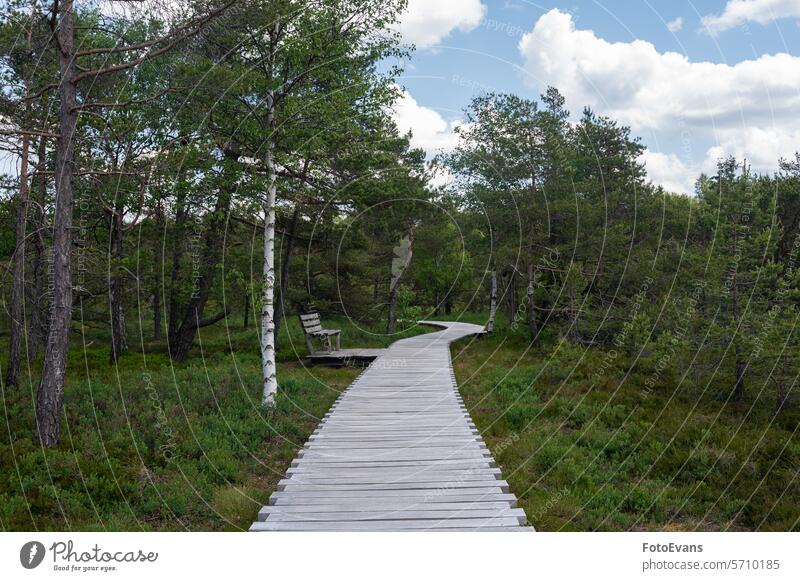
point(426, 22)
point(651, 90)
point(738, 12)
point(749, 108)
point(675, 25)
point(442, 178)
point(761, 146)
point(668, 170)
point(430, 131)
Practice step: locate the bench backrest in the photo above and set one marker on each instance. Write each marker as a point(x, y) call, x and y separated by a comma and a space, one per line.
point(311, 323)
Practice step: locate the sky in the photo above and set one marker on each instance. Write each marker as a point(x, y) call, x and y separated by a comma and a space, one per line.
point(697, 81)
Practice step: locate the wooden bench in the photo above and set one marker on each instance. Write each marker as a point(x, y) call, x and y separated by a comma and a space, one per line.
point(312, 328)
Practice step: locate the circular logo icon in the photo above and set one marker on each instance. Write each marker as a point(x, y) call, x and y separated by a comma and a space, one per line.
point(31, 554)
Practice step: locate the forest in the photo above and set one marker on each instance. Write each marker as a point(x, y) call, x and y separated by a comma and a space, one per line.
point(188, 181)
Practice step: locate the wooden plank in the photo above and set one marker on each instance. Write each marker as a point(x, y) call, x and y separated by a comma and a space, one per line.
point(289, 486)
point(388, 525)
point(489, 461)
point(401, 514)
point(310, 505)
point(449, 494)
point(378, 477)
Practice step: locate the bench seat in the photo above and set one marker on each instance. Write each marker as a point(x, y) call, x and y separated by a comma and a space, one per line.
point(312, 328)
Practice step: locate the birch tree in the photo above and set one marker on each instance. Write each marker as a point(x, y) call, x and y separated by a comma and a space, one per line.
point(312, 62)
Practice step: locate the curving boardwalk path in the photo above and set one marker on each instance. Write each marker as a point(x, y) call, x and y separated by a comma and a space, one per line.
point(397, 452)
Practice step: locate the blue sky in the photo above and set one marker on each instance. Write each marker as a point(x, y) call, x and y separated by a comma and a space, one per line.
point(696, 80)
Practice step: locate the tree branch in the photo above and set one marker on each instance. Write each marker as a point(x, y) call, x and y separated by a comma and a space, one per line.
point(211, 320)
point(183, 32)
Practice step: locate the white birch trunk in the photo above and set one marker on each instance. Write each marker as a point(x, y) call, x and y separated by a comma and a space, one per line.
point(268, 369)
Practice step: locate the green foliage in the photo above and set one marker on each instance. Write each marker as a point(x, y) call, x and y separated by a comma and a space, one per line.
point(583, 458)
point(151, 446)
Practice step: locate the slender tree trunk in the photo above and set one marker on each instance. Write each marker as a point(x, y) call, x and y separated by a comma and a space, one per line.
point(399, 266)
point(38, 327)
point(511, 295)
point(492, 301)
point(158, 329)
point(246, 314)
point(532, 325)
point(268, 367)
point(119, 342)
point(269, 372)
point(18, 269)
point(18, 263)
point(50, 395)
point(280, 309)
point(173, 316)
point(182, 339)
point(781, 392)
point(392, 309)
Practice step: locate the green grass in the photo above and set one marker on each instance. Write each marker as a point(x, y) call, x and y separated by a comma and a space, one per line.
point(148, 445)
point(584, 450)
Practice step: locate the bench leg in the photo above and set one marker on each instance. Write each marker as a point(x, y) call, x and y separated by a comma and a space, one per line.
point(338, 341)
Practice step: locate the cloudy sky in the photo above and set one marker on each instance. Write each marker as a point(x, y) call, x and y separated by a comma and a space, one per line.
point(696, 80)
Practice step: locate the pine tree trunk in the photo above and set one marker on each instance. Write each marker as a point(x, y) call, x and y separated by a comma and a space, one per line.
point(158, 329)
point(119, 341)
point(182, 339)
point(173, 316)
point(492, 301)
point(280, 309)
point(39, 325)
point(511, 296)
point(532, 324)
point(50, 395)
point(18, 270)
point(18, 262)
point(781, 392)
point(246, 314)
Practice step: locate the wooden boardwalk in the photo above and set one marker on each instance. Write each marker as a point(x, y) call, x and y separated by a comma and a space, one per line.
point(345, 357)
point(397, 452)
